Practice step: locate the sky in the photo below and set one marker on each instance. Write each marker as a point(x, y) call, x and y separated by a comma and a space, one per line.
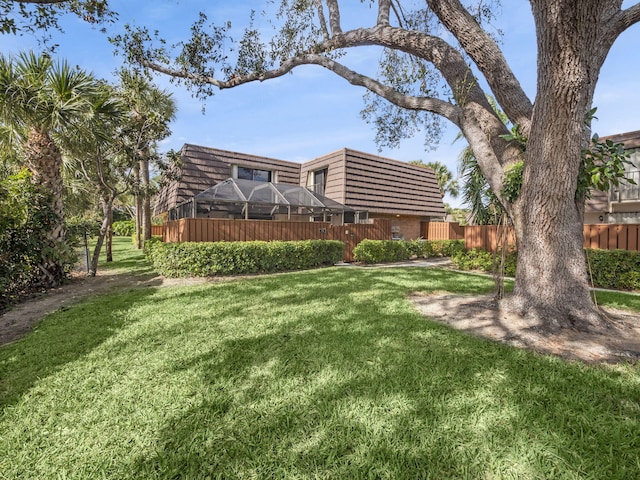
point(312, 112)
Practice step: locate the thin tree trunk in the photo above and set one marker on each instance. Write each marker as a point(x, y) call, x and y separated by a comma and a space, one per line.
point(107, 207)
point(138, 201)
point(146, 203)
point(109, 245)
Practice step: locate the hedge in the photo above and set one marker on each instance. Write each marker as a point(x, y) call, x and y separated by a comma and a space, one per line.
point(614, 269)
point(381, 251)
point(205, 259)
point(482, 260)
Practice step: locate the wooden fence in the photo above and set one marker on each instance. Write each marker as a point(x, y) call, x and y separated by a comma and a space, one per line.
point(156, 230)
point(219, 230)
point(441, 231)
point(607, 237)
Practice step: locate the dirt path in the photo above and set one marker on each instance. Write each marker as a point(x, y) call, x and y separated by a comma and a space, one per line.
point(18, 321)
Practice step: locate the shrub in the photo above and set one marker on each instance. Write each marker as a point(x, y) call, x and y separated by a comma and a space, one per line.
point(205, 259)
point(381, 251)
point(124, 228)
point(616, 269)
point(26, 220)
point(484, 261)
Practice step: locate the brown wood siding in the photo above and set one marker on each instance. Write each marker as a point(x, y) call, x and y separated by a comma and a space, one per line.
point(335, 165)
point(629, 139)
point(220, 230)
point(384, 185)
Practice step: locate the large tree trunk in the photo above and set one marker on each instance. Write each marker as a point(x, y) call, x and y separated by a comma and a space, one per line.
point(44, 159)
point(552, 281)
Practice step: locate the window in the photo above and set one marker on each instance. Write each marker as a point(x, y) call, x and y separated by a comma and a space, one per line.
point(246, 173)
point(317, 181)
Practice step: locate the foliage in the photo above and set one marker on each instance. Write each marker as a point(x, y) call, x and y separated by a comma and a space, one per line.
point(383, 251)
point(459, 215)
point(206, 259)
point(484, 261)
point(512, 181)
point(25, 221)
point(484, 206)
point(603, 166)
point(444, 177)
point(77, 228)
point(379, 251)
point(124, 228)
point(615, 269)
point(39, 17)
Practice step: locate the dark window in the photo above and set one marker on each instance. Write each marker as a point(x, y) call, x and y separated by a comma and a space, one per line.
point(319, 181)
point(245, 173)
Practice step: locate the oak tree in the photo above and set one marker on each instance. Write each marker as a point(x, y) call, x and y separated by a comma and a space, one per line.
point(436, 52)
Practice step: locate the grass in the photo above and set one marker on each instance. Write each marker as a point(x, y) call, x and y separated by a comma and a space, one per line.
point(319, 374)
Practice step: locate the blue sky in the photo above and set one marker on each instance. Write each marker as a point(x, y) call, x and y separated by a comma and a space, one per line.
point(313, 112)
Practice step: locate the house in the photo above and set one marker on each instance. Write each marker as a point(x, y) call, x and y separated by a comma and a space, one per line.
point(349, 186)
point(622, 203)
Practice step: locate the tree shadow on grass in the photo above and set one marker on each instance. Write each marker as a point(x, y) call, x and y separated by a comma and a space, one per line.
point(61, 338)
point(387, 394)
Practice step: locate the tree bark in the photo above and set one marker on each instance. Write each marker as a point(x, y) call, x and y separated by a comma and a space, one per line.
point(552, 281)
point(44, 159)
point(146, 200)
point(109, 243)
point(107, 207)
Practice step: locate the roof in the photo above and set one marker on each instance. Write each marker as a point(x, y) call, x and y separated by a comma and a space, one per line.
point(252, 192)
point(201, 167)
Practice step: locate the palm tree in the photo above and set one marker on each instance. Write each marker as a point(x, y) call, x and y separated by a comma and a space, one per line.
point(97, 157)
point(151, 111)
point(39, 102)
point(444, 177)
point(485, 207)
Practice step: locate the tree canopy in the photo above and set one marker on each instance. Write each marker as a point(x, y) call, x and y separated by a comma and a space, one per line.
point(441, 59)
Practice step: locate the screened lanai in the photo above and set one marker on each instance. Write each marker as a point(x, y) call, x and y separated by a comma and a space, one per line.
point(248, 199)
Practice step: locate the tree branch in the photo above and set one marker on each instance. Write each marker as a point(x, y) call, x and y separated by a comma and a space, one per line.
point(322, 20)
point(383, 12)
point(488, 57)
point(334, 17)
point(627, 18)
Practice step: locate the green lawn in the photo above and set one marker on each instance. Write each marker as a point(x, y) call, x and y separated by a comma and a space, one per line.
point(319, 374)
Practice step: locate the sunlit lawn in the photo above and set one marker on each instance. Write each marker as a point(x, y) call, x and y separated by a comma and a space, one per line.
point(320, 374)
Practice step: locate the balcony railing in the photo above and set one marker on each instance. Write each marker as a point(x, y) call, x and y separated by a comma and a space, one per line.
point(627, 191)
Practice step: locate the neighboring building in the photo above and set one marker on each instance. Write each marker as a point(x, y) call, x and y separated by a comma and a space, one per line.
point(622, 203)
point(368, 186)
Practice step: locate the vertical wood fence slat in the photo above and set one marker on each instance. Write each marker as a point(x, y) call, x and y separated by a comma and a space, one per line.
point(606, 237)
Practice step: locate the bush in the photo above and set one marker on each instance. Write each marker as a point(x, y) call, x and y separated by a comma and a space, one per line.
point(381, 251)
point(26, 220)
point(124, 228)
point(205, 259)
point(616, 269)
point(484, 261)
